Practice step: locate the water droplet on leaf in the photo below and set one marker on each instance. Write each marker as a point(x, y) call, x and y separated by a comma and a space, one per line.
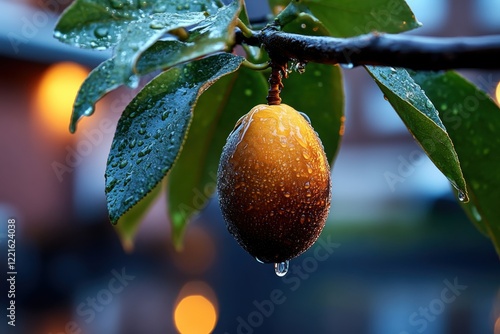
point(101, 32)
point(461, 196)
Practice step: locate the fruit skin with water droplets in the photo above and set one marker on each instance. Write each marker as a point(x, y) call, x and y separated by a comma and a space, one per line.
point(274, 183)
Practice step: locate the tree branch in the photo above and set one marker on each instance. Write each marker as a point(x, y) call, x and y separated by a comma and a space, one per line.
point(418, 53)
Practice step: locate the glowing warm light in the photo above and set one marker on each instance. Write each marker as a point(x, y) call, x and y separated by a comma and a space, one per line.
point(497, 94)
point(56, 94)
point(195, 314)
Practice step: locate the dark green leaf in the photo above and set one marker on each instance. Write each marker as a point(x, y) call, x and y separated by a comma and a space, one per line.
point(193, 178)
point(473, 123)
point(346, 18)
point(318, 92)
point(212, 35)
point(128, 224)
point(421, 119)
point(99, 24)
point(142, 33)
point(151, 130)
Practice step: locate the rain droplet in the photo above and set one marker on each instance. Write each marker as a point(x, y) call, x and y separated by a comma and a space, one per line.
point(305, 116)
point(347, 66)
point(155, 24)
point(101, 32)
point(302, 219)
point(303, 26)
point(123, 164)
point(258, 260)
point(306, 155)
point(287, 194)
point(281, 268)
point(461, 196)
point(393, 69)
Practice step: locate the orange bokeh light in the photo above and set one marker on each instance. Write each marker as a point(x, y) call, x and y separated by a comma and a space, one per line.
point(195, 314)
point(497, 95)
point(55, 95)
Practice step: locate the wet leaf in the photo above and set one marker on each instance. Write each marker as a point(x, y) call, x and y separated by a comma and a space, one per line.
point(161, 55)
point(422, 120)
point(152, 129)
point(346, 18)
point(193, 179)
point(99, 24)
point(318, 92)
point(473, 123)
point(128, 224)
point(142, 33)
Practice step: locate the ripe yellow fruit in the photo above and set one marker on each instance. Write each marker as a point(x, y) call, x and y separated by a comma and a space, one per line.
point(274, 183)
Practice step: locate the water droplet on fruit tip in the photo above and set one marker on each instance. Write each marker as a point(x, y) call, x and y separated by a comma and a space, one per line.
point(281, 268)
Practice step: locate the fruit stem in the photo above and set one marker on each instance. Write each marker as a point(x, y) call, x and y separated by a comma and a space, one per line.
point(278, 71)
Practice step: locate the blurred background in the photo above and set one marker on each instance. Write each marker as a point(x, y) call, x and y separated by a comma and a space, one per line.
point(396, 258)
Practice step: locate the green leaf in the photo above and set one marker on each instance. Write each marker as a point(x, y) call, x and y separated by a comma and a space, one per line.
point(318, 92)
point(142, 33)
point(346, 18)
point(212, 35)
point(193, 179)
point(161, 55)
point(128, 224)
point(473, 123)
point(151, 130)
point(99, 24)
point(422, 120)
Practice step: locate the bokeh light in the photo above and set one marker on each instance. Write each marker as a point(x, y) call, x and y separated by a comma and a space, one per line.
point(195, 314)
point(497, 93)
point(55, 95)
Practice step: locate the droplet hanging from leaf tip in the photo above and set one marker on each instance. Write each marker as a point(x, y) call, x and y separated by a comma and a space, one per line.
point(462, 196)
point(347, 66)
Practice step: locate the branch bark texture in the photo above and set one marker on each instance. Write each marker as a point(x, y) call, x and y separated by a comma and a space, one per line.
point(413, 52)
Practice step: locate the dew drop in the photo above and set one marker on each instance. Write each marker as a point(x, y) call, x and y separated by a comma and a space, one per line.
point(156, 25)
point(303, 26)
point(281, 268)
point(306, 155)
point(393, 69)
point(287, 194)
point(347, 66)
point(101, 32)
point(123, 164)
point(461, 196)
point(305, 116)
